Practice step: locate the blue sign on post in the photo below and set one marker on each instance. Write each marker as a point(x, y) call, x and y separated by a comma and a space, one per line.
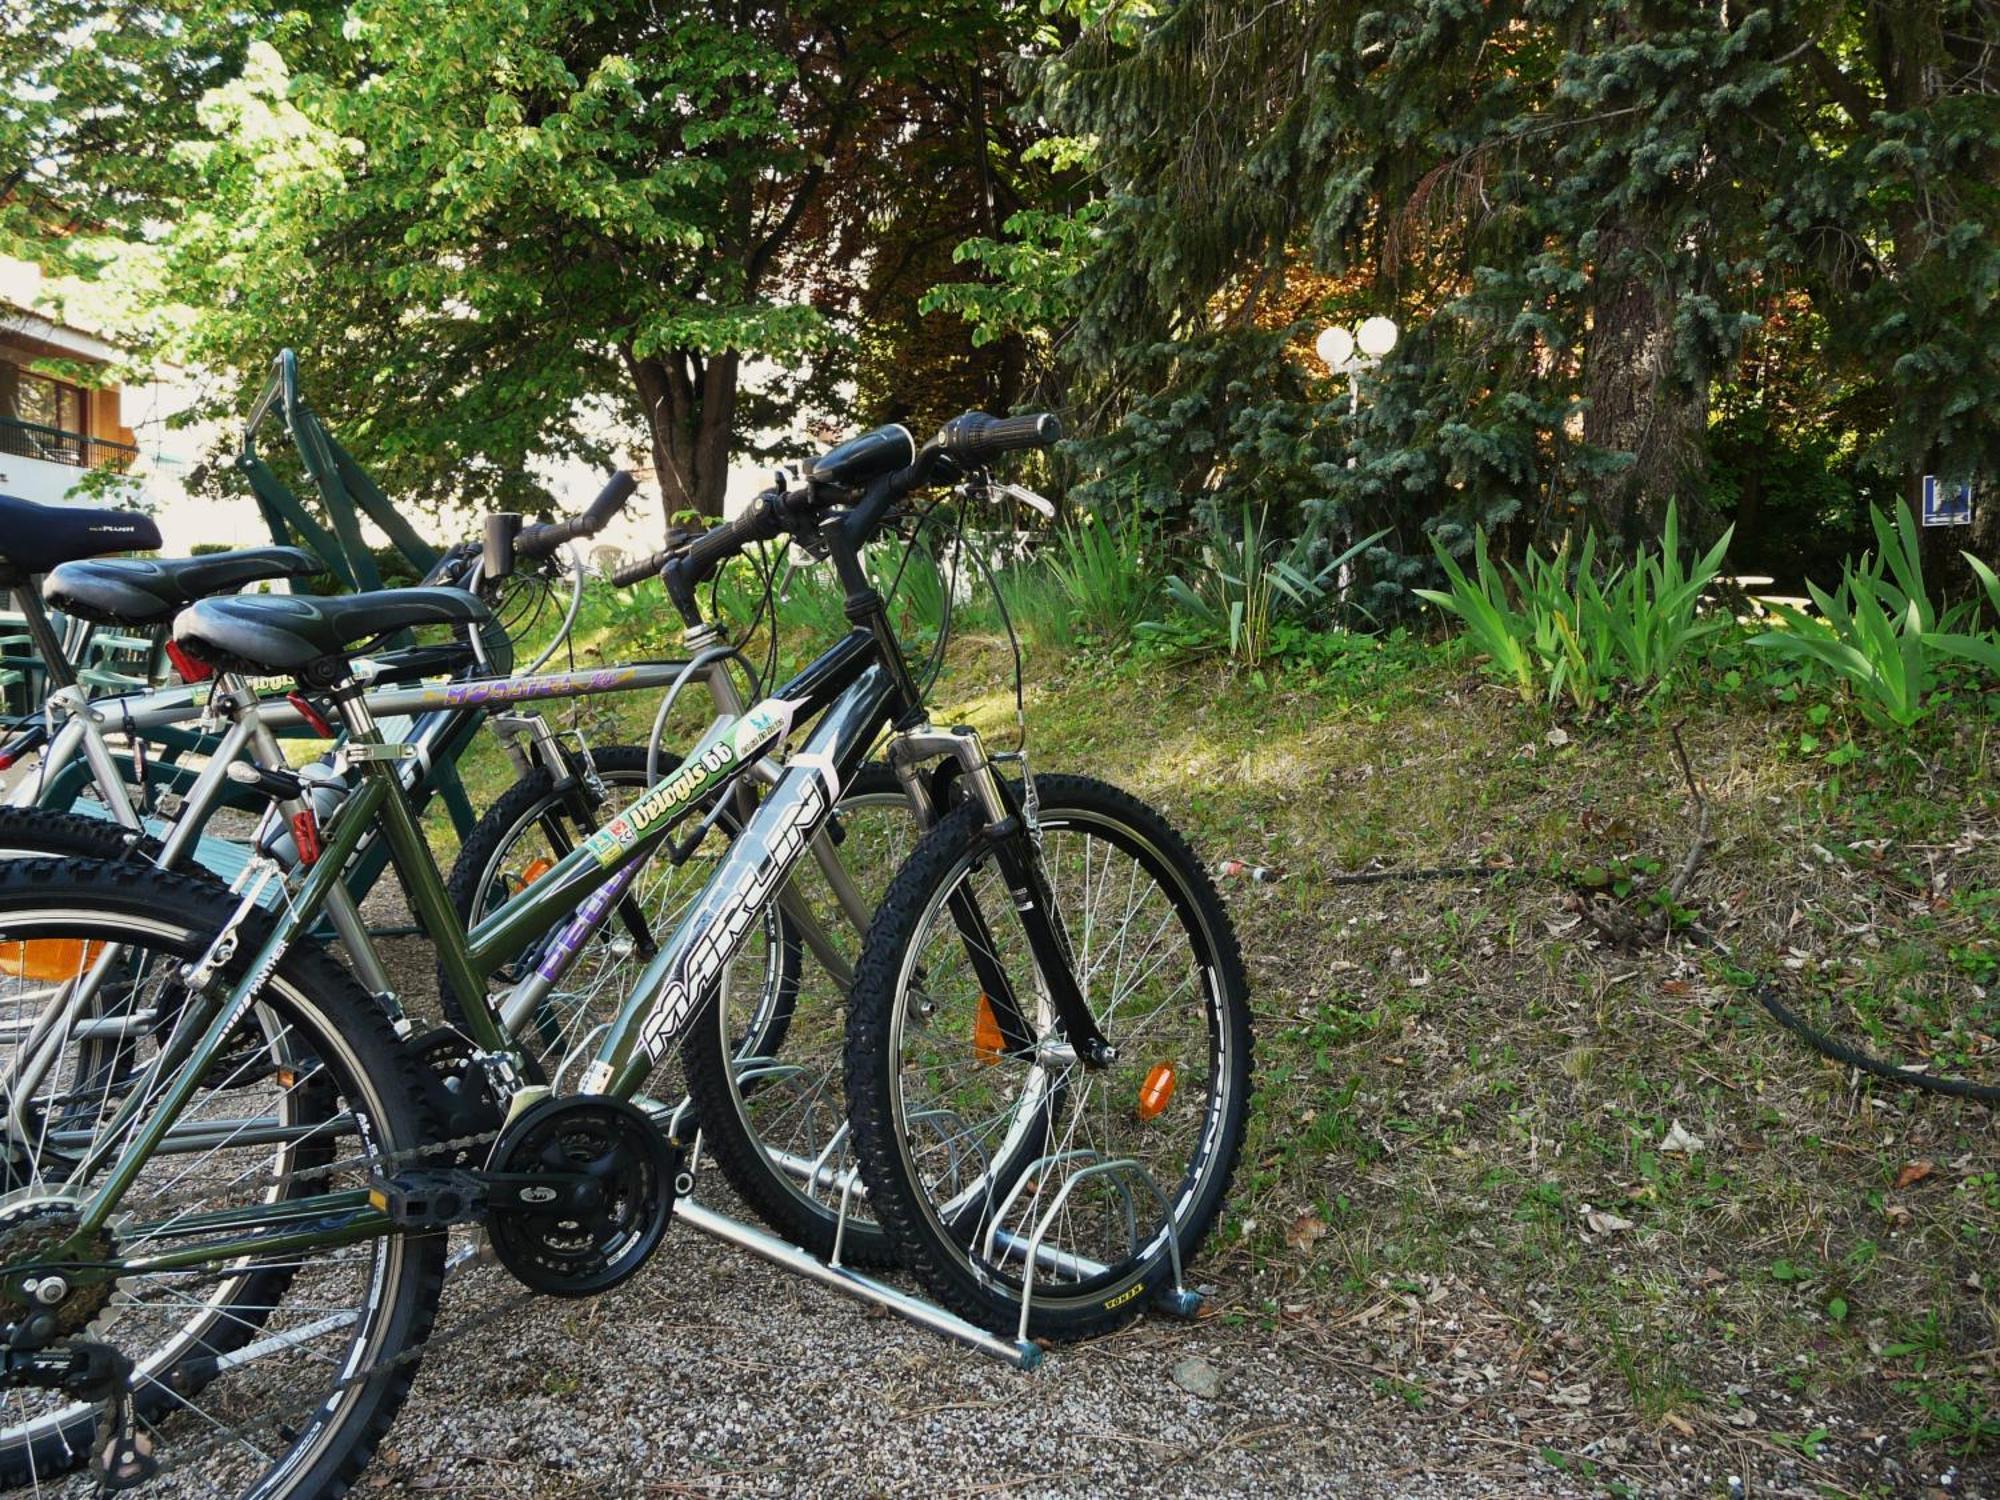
point(1947, 507)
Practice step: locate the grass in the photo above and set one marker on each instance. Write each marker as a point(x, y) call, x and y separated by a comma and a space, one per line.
point(1458, 1176)
point(1455, 1077)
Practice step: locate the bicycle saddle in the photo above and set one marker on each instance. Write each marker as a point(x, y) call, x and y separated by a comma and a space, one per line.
point(145, 591)
point(289, 632)
point(34, 538)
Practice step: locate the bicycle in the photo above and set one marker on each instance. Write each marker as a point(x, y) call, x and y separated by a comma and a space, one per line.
point(574, 1191)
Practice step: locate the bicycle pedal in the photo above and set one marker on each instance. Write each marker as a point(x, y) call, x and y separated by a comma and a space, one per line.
point(434, 1199)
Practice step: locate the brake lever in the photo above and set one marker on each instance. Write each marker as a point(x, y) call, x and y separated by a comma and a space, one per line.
point(1040, 504)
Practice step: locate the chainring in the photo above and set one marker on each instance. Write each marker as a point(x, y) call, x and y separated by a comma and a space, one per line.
point(565, 1252)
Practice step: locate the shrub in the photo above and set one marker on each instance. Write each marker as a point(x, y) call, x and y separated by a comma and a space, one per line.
point(1880, 632)
point(1577, 634)
point(1246, 584)
point(1105, 574)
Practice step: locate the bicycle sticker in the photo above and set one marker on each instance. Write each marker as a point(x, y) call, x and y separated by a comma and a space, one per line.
point(745, 740)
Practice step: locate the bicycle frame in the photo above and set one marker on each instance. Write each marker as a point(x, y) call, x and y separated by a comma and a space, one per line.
point(852, 690)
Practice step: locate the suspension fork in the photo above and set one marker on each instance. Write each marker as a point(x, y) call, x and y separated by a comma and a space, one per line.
point(1019, 860)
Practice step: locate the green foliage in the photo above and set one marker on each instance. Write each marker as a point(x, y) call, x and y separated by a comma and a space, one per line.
point(1570, 631)
point(1108, 572)
point(1037, 604)
point(1246, 583)
point(487, 225)
point(1881, 633)
point(1599, 223)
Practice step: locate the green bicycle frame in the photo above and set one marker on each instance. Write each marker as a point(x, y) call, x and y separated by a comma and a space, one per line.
point(729, 748)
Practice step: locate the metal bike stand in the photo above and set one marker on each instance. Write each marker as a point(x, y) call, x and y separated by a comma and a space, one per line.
point(1021, 1353)
point(1178, 1299)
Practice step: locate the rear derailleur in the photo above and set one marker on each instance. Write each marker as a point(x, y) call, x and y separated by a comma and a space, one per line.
point(120, 1454)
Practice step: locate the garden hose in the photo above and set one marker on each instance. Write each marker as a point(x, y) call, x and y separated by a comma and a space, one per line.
point(1765, 990)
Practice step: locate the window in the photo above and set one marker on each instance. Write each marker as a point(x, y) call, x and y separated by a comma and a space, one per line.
point(29, 402)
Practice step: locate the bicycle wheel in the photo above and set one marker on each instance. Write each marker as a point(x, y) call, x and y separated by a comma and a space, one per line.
point(26, 832)
point(266, 1375)
point(775, 1121)
point(525, 833)
point(982, 1157)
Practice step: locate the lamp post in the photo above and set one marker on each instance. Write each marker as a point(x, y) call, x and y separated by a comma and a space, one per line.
point(1348, 354)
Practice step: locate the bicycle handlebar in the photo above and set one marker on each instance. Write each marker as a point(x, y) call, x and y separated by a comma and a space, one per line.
point(541, 540)
point(644, 568)
point(976, 437)
point(967, 441)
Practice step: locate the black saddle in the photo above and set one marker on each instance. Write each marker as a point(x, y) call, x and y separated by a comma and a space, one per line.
point(34, 538)
point(289, 632)
point(142, 591)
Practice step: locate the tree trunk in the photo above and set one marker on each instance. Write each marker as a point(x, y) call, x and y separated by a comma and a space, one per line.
point(1639, 405)
point(690, 405)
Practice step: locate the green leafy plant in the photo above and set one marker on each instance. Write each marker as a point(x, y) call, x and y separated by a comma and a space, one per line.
point(1036, 603)
point(1245, 584)
point(1560, 628)
point(1881, 633)
point(1104, 571)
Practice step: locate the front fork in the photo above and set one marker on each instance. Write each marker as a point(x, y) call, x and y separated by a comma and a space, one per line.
point(1015, 843)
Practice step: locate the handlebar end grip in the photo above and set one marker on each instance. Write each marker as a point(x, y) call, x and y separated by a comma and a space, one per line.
point(617, 490)
point(977, 437)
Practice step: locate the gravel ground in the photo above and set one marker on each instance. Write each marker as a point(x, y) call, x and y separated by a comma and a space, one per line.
point(713, 1372)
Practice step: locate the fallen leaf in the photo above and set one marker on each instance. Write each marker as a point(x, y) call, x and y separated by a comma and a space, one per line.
point(1557, 738)
point(1678, 1139)
point(1915, 1171)
point(1306, 1231)
point(1572, 1395)
point(1597, 1221)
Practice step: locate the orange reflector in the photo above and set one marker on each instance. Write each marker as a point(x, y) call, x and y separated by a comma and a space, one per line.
point(1156, 1091)
point(48, 958)
point(532, 871)
point(287, 1078)
point(986, 1038)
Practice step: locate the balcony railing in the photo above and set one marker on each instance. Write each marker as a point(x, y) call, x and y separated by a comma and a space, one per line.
point(52, 445)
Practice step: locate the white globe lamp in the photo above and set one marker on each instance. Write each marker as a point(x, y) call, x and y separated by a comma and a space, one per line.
point(1335, 347)
point(1377, 336)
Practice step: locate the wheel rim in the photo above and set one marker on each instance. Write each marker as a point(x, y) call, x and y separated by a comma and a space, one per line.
point(1006, 1151)
point(282, 1334)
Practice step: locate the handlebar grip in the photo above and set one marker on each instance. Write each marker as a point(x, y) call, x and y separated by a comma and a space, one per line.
point(640, 571)
point(976, 437)
point(540, 541)
point(619, 488)
point(714, 547)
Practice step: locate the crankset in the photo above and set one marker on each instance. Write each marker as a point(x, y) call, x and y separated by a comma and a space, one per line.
point(580, 1192)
